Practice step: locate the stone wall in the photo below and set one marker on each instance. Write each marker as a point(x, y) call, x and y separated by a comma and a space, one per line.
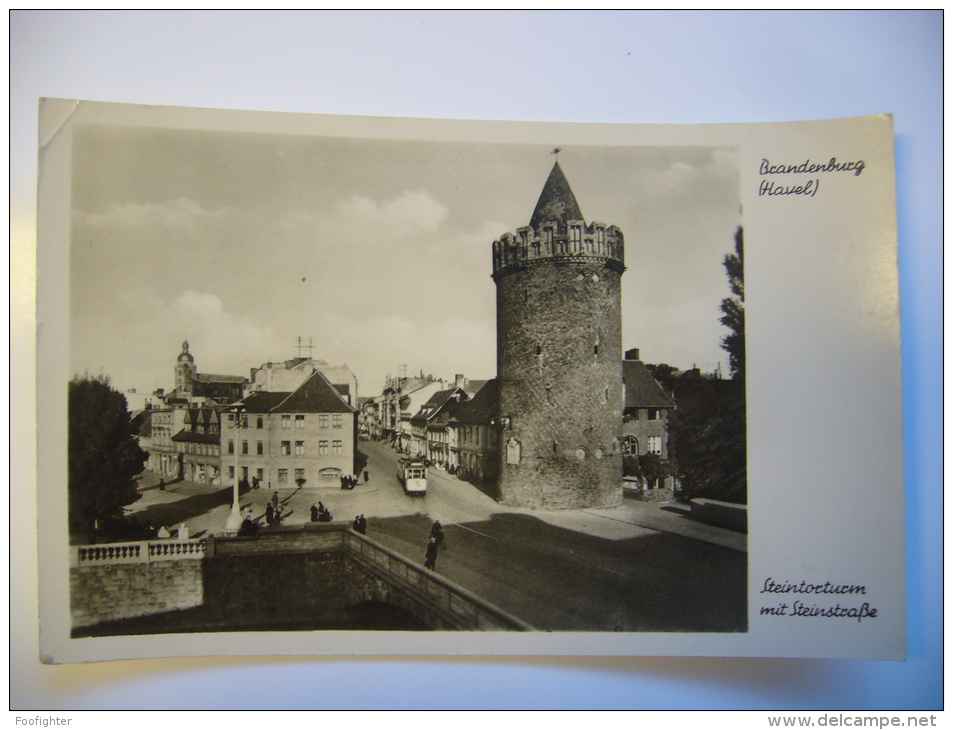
point(311, 574)
point(109, 592)
point(559, 364)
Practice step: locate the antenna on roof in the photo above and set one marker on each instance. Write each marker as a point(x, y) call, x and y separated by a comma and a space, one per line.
point(302, 346)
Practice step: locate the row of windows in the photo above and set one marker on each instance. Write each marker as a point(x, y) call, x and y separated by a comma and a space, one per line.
point(325, 420)
point(199, 449)
point(337, 448)
point(282, 475)
point(653, 445)
point(335, 420)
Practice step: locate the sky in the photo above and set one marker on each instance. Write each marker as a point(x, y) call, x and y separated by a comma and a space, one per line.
point(377, 251)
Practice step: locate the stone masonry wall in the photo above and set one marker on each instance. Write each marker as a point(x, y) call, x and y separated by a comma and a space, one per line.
point(559, 364)
point(110, 592)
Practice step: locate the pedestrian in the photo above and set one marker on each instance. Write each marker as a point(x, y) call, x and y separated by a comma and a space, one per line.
point(278, 515)
point(343, 482)
point(274, 500)
point(248, 528)
point(314, 513)
point(366, 476)
point(363, 528)
point(436, 532)
point(162, 485)
point(270, 514)
point(356, 524)
point(431, 561)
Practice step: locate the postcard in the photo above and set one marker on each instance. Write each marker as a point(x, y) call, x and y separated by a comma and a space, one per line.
point(378, 386)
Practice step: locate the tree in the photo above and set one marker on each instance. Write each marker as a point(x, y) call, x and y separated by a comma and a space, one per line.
point(104, 455)
point(733, 308)
point(708, 429)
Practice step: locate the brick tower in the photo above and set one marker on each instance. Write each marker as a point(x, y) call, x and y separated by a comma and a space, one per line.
point(559, 356)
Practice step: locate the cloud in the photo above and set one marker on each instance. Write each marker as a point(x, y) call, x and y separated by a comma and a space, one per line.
point(360, 220)
point(137, 341)
point(179, 215)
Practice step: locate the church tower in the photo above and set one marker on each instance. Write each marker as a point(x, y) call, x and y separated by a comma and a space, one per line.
point(184, 371)
point(559, 356)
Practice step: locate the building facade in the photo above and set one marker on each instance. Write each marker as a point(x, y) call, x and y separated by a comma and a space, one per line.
point(559, 355)
point(474, 436)
point(164, 459)
point(283, 440)
point(645, 418)
point(198, 445)
point(430, 426)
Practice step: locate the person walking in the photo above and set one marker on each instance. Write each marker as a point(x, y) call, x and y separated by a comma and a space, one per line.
point(436, 532)
point(270, 514)
point(314, 513)
point(274, 500)
point(431, 561)
point(363, 525)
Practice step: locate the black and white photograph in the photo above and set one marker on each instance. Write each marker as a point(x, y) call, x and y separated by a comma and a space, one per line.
point(321, 382)
point(355, 385)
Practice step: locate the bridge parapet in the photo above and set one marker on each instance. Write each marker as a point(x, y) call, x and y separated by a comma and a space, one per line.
point(457, 606)
point(280, 574)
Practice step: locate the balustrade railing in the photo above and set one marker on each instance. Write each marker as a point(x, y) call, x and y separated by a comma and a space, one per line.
point(145, 551)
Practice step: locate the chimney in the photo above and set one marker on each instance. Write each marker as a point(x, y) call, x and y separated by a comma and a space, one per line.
point(632, 354)
point(458, 380)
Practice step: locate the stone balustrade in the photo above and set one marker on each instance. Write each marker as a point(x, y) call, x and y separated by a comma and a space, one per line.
point(143, 551)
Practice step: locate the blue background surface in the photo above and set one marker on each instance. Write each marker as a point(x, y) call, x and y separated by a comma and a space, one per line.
point(629, 66)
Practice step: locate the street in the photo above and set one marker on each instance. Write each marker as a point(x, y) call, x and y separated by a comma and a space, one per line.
point(637, 567)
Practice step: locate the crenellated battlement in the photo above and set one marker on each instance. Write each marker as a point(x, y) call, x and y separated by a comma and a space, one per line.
point(556, 241)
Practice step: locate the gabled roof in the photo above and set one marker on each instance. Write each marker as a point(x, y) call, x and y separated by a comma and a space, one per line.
point(480, 409)
point(556, 202)
point(436, 403)
point(314, 395)
point(197, 438)
point(641, 389)
point(472, 387)
point(263, 401)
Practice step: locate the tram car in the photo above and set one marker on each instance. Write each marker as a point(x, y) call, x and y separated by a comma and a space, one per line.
point(412, 475)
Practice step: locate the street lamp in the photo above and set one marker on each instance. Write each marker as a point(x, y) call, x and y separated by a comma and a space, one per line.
point(234, 521)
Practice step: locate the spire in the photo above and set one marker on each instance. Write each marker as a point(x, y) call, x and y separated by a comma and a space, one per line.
point(556, 202)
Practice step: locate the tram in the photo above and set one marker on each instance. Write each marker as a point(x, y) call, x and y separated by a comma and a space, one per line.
point(412, 475)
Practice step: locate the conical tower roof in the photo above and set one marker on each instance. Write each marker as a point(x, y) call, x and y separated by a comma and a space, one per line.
point(556, 202)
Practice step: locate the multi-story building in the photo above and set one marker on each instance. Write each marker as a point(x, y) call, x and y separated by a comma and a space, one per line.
point(198, 445)
point(289, 439)
point(400, 399)
point(430, 426)
point(474, 435)
point(164, 460)
point(288, 375)
point(647, 408)
point(559, 352)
